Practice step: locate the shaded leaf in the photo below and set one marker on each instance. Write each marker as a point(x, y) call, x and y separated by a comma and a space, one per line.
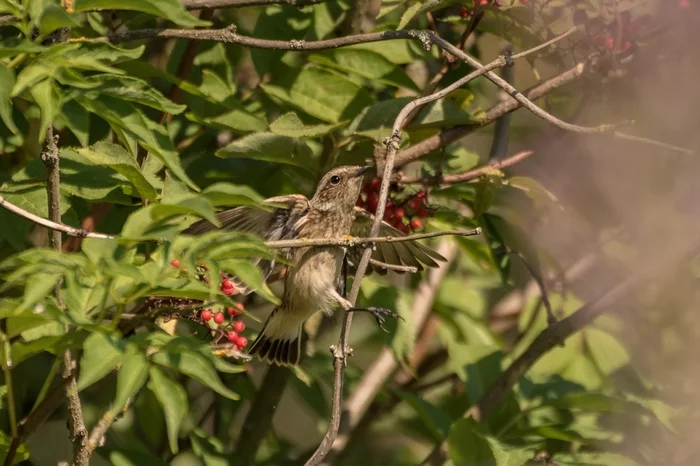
point(101, 355)
point(272, 148)
point(169, 9)
point(290, 125)
point(173, 399)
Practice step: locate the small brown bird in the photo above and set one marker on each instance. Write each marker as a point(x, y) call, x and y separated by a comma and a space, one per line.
point(313, 280)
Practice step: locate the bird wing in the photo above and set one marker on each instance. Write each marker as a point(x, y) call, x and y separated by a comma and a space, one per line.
point(411, 253)
point(270, 225)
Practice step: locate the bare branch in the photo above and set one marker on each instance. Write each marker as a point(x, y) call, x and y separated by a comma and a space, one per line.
point(352, 241)
point(444, 180)
point(379, 372)
point(55, 226)
point(396, 268)
point(297, 243)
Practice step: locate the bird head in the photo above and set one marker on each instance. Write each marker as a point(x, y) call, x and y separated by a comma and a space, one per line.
point(339, 188)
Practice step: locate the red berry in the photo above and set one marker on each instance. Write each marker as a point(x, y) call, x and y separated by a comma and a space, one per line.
point(416, 224)
point(241, 342)
point(238, 326)
point(232, 337)
point(464, 13)
point(206, 315)
point(403, 228)
point(683, 3)
point(610, 43)
point(372, 202)
point(388, 213)
point(399, 213)
point(375, 184)
point(232, 311)
point(175, 263)
point(415, 204)
point(422, 212)
point(219, 318)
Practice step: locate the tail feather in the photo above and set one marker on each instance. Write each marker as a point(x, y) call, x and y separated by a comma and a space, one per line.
point(280, 350)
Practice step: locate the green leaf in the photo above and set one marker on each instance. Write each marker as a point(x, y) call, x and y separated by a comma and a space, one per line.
point(237, 119)
point(119, 160)
point(467, 446)
point(323, 94)
point(272, 148)
point(101, 355)
point(131, 377)
point(54, 17)
point(77, 120)
point(409, 14)
point(131, 124)
point(46, 96)
point(169, 9)
point(367, 64)
point(7, 82)
point(196, 366)
point(290, 125)
point(435, 419)
point(136, 90)
point(227, 194)
point(173, 399)
point(607, 352)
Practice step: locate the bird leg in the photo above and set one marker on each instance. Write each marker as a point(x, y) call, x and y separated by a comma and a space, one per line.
point(380, 314)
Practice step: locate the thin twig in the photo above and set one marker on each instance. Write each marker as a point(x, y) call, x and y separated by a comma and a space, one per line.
point(352, 241)
point(98, 432)
point(396, 268)
point(300, 243)
point(55, 226)
point(444, 180)
point(379, 372)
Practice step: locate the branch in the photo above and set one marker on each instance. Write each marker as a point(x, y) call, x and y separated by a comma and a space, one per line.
point(350, 241)
point(201, 4)
point(297, 243)
point(378, 373)
point(444, 180)
point(76, 425)
point(396, 268)
point(228, 35)
point(56, 226)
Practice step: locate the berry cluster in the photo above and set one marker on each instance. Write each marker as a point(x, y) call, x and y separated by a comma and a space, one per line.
point(405, 213)
point(232, 329)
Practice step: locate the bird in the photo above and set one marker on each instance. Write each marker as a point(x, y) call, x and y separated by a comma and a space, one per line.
point(313, 278)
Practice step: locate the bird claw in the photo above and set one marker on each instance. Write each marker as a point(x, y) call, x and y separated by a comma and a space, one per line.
point(380, 314)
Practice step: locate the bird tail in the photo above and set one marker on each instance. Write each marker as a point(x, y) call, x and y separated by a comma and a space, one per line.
point(276, 345)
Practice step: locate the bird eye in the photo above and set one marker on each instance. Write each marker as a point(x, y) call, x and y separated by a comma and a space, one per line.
point(335, 179)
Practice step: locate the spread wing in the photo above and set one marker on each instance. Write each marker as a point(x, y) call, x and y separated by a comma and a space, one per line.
point(411, 253)
point(272, 225)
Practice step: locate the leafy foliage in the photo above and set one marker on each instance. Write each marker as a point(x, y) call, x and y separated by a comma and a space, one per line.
point(164, 133)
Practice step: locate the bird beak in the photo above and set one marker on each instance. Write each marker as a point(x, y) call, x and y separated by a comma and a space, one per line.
point(362, 170)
